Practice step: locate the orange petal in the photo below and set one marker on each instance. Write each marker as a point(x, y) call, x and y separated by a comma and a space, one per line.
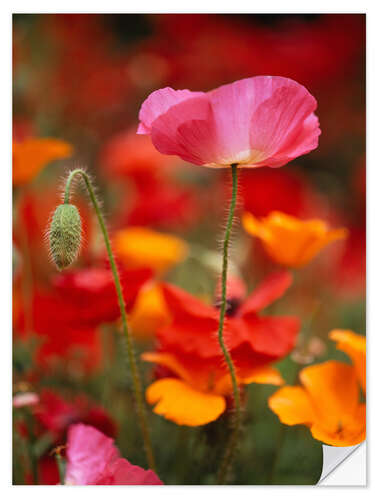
point(265, 375)
point(32, 155)
point(292, 405)
point(353, 432)
point(149, 312)
point(334, 391)
point(179, 402)
point(255, 227)
point(354, 346)
point(168, 360)
point(291, 241)
point(143, 247)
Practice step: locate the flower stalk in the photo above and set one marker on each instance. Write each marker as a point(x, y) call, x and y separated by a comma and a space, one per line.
point(231, 446)
point(137, 384)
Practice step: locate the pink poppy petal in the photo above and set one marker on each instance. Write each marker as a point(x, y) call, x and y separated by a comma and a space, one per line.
point(123, 472)
point(282, 125)
point(233, 106)
point(187, 130)
point(88, 454)
point(306, 141)
point(260, 121)
point(158, 103)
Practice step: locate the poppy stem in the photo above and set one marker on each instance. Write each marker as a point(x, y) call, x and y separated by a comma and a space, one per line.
point(137, 384)
point(231, 446)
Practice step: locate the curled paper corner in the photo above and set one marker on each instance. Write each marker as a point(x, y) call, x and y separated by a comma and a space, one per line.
point(355, 467)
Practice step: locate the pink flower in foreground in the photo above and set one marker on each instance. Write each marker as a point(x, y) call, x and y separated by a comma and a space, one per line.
point(92, 458)
point(255, 122)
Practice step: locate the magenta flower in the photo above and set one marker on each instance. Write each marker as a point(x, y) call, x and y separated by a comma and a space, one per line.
point(92, 458)
point(255, 122)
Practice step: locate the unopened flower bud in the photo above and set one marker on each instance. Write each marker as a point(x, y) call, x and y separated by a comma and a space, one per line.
point(65, 235)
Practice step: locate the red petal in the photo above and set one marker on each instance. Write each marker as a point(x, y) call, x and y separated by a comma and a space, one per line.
point(271, 289)
point(271, 338)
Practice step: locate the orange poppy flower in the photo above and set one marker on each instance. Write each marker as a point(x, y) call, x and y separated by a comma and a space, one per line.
point(328, 403)
point(149, 312)
point(290, 241)
point(142, 247)
point(32, 155)
point(195, 393)
point(354, 346)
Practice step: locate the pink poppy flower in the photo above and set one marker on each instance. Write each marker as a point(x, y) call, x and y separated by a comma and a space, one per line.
point(254, 122)
point(92, 458)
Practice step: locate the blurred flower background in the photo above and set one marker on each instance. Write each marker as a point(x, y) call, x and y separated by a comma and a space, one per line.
point(78, 83)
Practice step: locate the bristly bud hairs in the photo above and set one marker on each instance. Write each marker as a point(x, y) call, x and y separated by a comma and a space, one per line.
point(65, 234)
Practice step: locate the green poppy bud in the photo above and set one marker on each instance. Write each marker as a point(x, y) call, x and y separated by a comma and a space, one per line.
point(65, 235)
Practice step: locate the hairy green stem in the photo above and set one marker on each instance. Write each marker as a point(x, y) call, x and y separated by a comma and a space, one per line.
point(232, 442)
point(60, 466)
point(137, 384)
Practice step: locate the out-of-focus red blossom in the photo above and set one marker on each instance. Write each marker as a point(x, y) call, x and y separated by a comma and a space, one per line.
point(48, 473)
point(92, 292)
point(89, 77)
point(128, 155)
point(264, 190)
point(57, 324)
point(67, 316)
point(349, 274)
point(157, 198)
point(315, 52)
point(22, 129)
point(55, 414)
point(164, 205)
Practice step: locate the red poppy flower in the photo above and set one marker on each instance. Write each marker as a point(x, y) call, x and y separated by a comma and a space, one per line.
point(264, 190)
point(195, 381)
point(315, 52)
point(252, 338)
point(66, 317)
point(55, 414)
point(92, 292)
